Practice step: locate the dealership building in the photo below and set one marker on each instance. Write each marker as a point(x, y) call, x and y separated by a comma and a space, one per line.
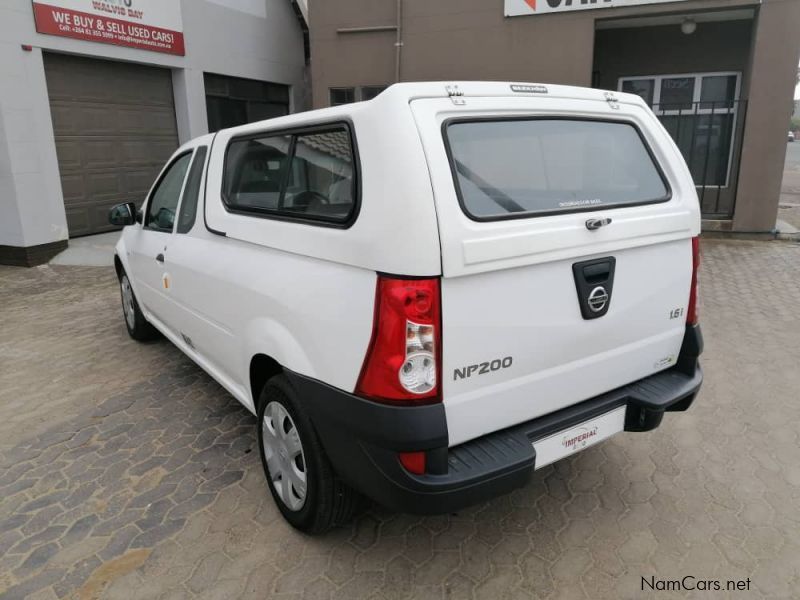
point(719, 74)
point(96, 94)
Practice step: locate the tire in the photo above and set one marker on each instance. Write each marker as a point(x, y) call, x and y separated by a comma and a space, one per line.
point(283, 424)
point(138, 327)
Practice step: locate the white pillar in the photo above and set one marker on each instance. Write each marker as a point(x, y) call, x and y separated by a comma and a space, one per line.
point(189, 91)
point(32, 206)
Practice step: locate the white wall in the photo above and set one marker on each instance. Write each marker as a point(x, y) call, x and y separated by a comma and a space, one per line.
point(10, 226)
point(264, 42)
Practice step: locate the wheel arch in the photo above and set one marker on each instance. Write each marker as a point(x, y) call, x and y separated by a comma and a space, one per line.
point(272, 347)
point(262, 369)
point(118, 266)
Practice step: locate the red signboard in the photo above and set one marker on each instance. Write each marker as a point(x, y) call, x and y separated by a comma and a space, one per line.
point(132, 32)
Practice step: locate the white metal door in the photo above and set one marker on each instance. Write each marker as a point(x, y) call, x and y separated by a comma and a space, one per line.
point(148, 250)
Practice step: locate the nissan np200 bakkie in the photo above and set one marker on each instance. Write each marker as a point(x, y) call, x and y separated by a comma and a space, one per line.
point(427, 296)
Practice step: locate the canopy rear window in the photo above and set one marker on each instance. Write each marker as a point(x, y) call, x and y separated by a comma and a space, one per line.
point(509, 168)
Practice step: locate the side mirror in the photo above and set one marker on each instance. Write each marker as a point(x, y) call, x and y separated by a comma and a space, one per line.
point(122, 214)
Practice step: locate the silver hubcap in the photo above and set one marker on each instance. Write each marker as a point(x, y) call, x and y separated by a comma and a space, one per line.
point(127, 301)
point(283, 450)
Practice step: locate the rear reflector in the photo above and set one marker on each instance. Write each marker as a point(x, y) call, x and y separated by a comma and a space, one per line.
point(403, 359)
point(691, 311)
point(413, 462)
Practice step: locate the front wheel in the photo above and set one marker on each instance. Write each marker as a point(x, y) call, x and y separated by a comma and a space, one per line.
point(138, 327)
point(309, 494)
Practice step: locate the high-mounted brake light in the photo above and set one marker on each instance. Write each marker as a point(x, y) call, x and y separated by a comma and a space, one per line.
point(404, 356)
point(692, 310)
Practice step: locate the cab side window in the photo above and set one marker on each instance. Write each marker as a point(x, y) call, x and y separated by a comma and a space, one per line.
point(309, 175)
point(191, 191)
point(164, 199)
point(255, 170)
point(322, 179)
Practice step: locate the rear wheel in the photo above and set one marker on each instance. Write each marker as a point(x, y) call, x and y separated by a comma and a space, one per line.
point(138, 327)
point(309, 494)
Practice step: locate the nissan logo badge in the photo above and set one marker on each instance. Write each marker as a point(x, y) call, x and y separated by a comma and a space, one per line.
point(598, 298)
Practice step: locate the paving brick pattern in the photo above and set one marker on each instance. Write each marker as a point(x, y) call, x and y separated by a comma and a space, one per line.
point(126, 472)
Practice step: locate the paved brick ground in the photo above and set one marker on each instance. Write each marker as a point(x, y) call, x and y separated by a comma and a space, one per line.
point(126, 472)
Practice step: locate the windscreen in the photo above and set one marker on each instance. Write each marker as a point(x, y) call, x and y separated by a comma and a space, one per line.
point(513, 167)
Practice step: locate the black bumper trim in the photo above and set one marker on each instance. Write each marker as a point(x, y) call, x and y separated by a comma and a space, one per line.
point(399, 428)
point(362, 438)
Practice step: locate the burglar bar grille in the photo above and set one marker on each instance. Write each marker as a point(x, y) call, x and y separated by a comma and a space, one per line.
point(709, 135)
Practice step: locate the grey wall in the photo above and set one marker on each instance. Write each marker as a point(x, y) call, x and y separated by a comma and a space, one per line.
point(460, 39)
point(471, 39)
point(776, 47)
point(256, 39)
point(717, 46)
point(445, 39)
point(664, 50)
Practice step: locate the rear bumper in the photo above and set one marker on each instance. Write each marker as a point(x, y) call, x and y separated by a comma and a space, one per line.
point(362, 438)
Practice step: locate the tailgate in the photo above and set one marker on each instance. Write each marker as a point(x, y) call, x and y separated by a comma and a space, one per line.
point(546, 303)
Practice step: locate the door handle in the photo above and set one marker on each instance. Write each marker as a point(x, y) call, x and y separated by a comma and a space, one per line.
point(595, 224)
point(597, 272)
point(160, 258)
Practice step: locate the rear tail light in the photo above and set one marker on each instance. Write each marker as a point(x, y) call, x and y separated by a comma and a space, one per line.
point(404, 356)
point(691, 312)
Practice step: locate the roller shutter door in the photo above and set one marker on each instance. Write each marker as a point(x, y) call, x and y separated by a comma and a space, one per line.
point(114, 126)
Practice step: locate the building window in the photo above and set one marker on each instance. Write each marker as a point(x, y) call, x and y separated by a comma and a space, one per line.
point(368, 92)
point(341, 96)
point(677, 93)
point(346, 95)
point(699, 111)
point(232, 101)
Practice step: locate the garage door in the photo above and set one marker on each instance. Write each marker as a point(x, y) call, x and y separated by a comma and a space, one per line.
point(114, 125)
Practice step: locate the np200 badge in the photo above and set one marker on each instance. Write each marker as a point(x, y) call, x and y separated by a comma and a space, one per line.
point(482, 368)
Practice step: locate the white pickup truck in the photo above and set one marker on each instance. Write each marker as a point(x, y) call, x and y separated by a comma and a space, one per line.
point(427, 296)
